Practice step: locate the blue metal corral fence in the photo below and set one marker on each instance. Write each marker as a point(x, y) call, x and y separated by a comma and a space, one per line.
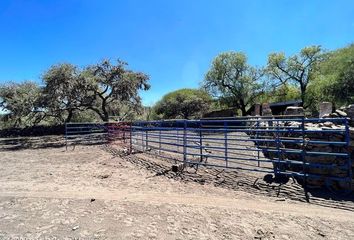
point(314, 150)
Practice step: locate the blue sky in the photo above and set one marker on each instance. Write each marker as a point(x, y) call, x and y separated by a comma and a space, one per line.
point(172, 41)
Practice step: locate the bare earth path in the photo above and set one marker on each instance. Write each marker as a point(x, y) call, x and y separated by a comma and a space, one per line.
point(90, 194)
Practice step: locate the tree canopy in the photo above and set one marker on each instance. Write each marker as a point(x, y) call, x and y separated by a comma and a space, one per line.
point(297, 69)
point(20, 100)
point(64, 91)
point(109, 85)
point(234, 81)
point(284, 92)
point(105, 89)
point(184, 103)
point(334, 79)
point(98, 91)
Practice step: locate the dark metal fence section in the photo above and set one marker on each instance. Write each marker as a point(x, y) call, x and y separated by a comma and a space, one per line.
point(111, 132)
point(85, 132)
point(314, 150)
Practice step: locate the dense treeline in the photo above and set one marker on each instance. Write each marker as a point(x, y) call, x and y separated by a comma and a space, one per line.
point(72, 94)
point(96, 92)
point(313, 75)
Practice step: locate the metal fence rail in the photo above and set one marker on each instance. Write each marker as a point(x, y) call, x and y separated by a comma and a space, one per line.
point(84, 132)
point(291, 146)
point(309, 149)
point(111, 132)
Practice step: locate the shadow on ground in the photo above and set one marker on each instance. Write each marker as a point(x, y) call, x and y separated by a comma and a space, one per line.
point(235, 180)
point(54, 141)
point(239, 180)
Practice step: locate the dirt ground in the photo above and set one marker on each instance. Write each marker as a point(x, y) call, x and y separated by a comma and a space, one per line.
point(93, 193)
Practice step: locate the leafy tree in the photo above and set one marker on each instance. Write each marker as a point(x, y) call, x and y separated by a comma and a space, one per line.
point(65, 92)
point(104, 88)
point(126, 111)
point(283, 93)
point(232, 80)
point(298, 69)
point(70, 93)
point(109, 85)
point(334, 79)
point(184, 103)
point(20, 101)
point(85, 116)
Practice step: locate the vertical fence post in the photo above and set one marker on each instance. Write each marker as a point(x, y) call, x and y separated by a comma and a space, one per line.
point(347, 140)
point(124, 128)
point(66, 136)
point(257, 141)
point(303, 155)
point(277, 139)
point(160, 126)
point(200, 142)
point(225, 138)
point(225, 143)
point(178, 140)
point(184, 141)
point(142, 136)
point(111, 132)
point(147, 138)
point(131, 138)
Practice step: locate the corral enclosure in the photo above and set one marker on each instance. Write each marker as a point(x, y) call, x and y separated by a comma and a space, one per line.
point(91, 192)
point(314, 151)
point(114, 180)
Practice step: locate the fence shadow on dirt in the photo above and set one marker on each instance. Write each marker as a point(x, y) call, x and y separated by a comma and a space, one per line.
point(21, 143)
point(238, 181)
point(41, 142)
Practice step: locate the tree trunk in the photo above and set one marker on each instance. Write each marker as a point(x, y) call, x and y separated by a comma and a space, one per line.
point(70, 115)
point(303, 91)
point(101, 112)
point(105, 117)
point(97, 111)
point(104, 110)
point(186, 115)
point(243, 111)
point(243, 107)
